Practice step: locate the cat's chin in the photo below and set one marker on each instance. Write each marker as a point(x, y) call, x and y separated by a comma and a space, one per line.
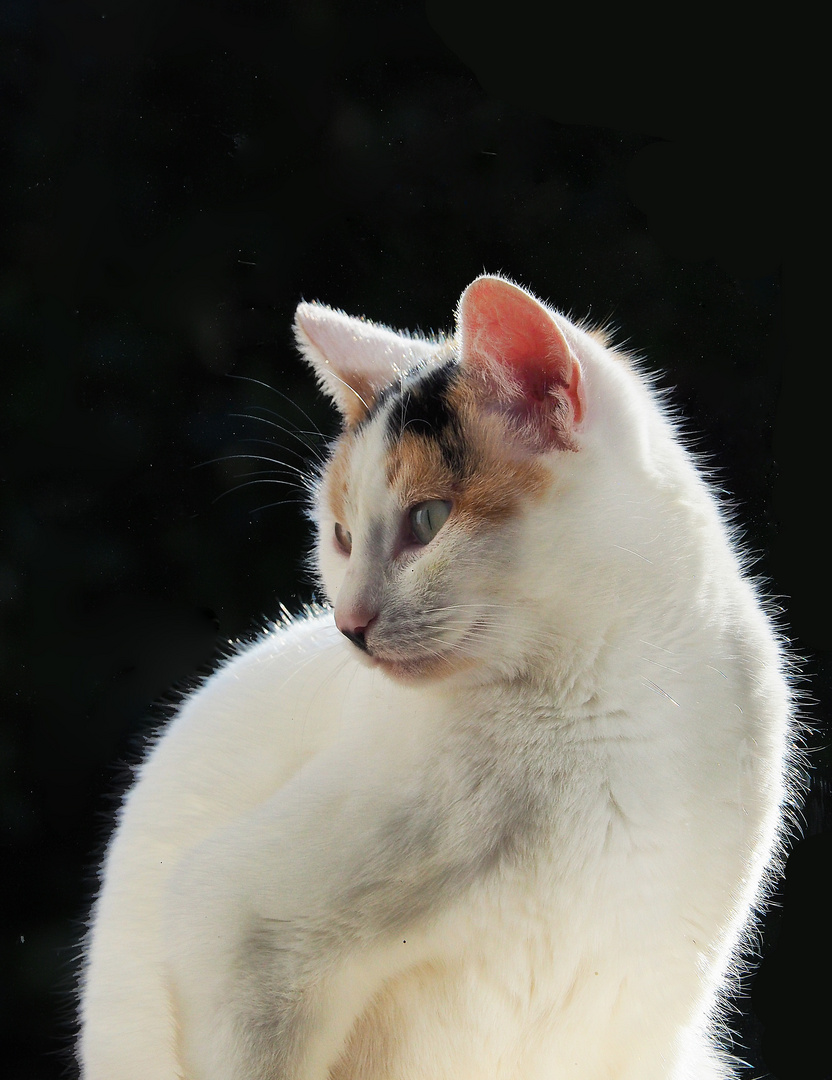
point(405, 671)
point(410, 671)
point(401, 671)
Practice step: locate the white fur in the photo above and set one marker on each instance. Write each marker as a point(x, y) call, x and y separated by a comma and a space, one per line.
point(537, 868)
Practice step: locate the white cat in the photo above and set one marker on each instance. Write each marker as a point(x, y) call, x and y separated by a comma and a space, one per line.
point(510, 822)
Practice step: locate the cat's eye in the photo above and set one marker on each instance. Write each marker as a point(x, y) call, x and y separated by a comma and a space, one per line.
point(427, 519)
point(343, 538)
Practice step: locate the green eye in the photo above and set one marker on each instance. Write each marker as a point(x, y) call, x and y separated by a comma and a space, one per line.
point(343, 538)
point(427, 519)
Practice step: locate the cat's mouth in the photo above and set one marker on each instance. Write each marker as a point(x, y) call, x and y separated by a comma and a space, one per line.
point(406, 669)
point(436, 662)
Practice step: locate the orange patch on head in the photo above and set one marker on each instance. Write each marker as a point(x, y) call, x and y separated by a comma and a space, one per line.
point(495, 479)
point(500, 481)
point(337, 475)
point(503, 474)
point(416, 469)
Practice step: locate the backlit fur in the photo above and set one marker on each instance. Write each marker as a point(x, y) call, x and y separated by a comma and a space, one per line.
point(517, 827)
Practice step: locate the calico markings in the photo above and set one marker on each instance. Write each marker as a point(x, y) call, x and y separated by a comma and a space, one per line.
point(441, 442)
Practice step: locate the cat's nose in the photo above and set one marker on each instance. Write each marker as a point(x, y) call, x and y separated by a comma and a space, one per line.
point(354, 626)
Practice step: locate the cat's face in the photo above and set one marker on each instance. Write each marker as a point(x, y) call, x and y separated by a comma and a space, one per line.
point(446, 451)
point(416, 515)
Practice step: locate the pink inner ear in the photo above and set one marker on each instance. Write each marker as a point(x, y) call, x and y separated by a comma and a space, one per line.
point(501, 324)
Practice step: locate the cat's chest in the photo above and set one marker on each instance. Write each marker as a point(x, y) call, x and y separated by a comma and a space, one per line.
point(517, 950)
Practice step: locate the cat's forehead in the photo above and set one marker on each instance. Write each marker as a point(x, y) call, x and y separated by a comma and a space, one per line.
point(425, 438)
point(428, 404)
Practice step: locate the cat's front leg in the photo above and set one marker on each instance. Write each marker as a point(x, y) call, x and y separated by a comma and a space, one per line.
point(275, 1012)
point(259, 937)
point(283, 926)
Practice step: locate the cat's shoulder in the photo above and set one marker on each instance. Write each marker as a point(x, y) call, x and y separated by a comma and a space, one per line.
point(275, 697)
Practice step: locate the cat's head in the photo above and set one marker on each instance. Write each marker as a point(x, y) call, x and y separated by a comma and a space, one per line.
point(450, 507)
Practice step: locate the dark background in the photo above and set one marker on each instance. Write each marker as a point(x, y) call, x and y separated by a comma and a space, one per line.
point(176, 177)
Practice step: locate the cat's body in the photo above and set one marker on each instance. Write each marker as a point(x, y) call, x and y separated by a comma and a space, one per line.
point(514, 828)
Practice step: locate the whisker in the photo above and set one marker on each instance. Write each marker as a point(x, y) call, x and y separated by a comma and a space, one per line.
point(313, 449)
point(234, 457)
point(310, 450)
point(280, 393)
point(281, 502)
point(283, 469)
point(251, 483)
point(305, 480)
point(287, 470)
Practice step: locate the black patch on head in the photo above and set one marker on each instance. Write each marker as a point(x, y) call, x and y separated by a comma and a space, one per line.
point(421, 408)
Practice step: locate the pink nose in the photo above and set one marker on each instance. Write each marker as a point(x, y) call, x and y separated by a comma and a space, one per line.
point(354, 625)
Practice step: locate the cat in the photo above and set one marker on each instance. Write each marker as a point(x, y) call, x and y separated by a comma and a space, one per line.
point(506, 808)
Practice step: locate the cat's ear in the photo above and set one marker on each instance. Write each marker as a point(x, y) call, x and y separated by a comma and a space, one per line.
point(522, 363)
point(355, 359)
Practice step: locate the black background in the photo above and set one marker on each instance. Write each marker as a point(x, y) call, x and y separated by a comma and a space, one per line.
point(177, 176)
